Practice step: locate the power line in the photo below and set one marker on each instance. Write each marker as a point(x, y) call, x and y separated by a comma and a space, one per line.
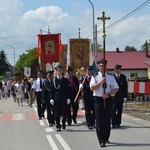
point(129, 14)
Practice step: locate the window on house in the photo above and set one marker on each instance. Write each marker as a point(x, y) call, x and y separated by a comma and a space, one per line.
point(133, 75)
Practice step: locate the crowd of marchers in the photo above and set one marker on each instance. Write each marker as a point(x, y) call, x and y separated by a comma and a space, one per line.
point(101, 95)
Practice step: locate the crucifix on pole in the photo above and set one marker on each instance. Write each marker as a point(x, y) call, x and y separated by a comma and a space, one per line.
point(104, 18)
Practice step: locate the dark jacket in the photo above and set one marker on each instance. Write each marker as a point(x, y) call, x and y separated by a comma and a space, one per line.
point(122, 83)
point(59, 90)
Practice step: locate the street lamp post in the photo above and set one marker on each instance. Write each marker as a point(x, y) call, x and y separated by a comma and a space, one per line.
point(14, 55)
point(93, 28)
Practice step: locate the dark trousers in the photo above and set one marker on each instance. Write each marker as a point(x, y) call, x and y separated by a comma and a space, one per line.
point(74, 106)
point(103, 118)
point(50, 113)
point(117, 110)
point(40, 105)
point(60, 109)
point(89, 111)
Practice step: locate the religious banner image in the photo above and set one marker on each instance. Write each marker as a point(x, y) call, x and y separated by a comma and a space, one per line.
point(49, 47)
point(79, 53)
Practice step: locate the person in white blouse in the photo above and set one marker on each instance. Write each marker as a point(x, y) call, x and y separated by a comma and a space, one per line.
point(103, 101)
point(19, 90)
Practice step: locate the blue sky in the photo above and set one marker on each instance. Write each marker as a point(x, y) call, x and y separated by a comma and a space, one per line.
point(23, 19)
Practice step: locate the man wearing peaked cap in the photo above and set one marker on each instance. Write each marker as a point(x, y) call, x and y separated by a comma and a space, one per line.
point(58, 67)
point(73, 89)
point(102, 62)
point(69, 69)
point(49, 72)
point(46, 97)
point(89, 68)
point(119, 97)
point(59, 97)
point(39, 72)
point(103, 112)
point(88, 99)
point(117, 66)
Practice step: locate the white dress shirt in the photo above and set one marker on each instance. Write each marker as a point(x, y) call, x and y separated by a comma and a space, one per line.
point(110, 80)
point(36, 84)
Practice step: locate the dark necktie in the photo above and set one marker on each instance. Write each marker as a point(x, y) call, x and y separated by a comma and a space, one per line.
point(40, 83)
point(118, 77)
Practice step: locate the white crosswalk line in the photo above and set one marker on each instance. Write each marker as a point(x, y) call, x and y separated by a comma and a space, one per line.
point(49, 129)
point(42, 123)
point(62, 141)
point(18, 116)
point(51, 142)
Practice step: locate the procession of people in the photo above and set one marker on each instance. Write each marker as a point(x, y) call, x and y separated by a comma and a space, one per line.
point(59, 95)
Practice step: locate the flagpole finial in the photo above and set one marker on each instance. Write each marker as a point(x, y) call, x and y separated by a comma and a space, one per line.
point(79, 33)
point(49, 30)
point(41, 31)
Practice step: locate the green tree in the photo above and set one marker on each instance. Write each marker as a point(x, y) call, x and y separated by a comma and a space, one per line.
point(130, 48)
point(145, 46)
point(25, 60)
point(4, 64)
point(99, 47)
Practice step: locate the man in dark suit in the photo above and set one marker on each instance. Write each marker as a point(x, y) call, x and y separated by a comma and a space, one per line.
point(46, 97)
point(119, 97)
point(73, 89)
point(59, 97)
point(88, 99)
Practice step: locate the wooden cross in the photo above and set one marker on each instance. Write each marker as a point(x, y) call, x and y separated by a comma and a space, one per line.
point(104, 18)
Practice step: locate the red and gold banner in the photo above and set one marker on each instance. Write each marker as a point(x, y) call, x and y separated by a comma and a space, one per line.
point(49, 46)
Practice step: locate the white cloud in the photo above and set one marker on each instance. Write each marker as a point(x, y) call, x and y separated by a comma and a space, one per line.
point(133, 31)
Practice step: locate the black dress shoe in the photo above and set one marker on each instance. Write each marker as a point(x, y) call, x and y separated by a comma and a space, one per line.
point(43, 116)
point(69, 124)
point(64, 126)
point(118, 126)
point(108, 141)
point(90, 127)
point(103, 145)
point(113, 126)
point(75, 121)
point(58, 129)
point(50, 124)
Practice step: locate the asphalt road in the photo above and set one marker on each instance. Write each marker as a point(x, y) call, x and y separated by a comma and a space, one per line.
point(20, 129)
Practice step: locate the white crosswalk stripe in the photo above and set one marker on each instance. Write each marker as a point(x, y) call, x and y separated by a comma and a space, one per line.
point(51, 142)
point(62, 141)
point(18, 116)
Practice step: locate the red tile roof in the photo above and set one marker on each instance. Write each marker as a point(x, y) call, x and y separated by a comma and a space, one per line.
point(128, 60)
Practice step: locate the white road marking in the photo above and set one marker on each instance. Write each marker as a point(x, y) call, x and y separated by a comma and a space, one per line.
point(51, 142)
point(62, 141)
point(49, 129)
point(18, 116)
point(42, 123)
point(25, 110)
point(136, 119)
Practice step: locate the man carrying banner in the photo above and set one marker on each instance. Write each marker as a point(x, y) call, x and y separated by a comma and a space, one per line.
point(88, 99)
point(103, 114)
point(73, 89)
point(59, 97)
